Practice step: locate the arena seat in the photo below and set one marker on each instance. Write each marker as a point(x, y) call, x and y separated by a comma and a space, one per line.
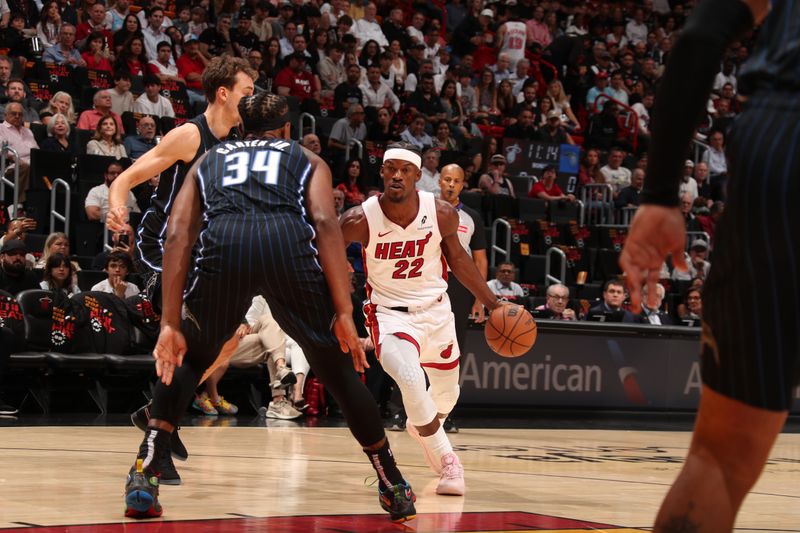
point(531, 209)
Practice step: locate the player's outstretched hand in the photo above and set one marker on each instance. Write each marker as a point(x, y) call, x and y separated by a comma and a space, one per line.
point(478, 313)
point(655, 233)
point(345, 331)
point(169, 351)
point(117, 219)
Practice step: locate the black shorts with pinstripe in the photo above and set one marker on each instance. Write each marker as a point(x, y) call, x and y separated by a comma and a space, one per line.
point(751, 301)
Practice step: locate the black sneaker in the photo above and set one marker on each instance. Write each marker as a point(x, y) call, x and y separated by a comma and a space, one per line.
point(141, 493)
point(398, 500)
point(163, 465)
point(449, 425)
point(7, 410)
point(141, 417)
point(397, 422)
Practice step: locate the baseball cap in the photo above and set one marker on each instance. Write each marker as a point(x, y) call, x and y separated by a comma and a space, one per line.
point(487, 13)
point(699, 243)
point(245, 13)
point(189, 37)
point(689, 163)
point(12, 245)
point(603, 75)
point(498, 158)
point(553, 114)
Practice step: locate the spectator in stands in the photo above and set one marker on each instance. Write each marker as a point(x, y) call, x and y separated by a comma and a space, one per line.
point(714, 158)
point(118, 13)
point(614, 173)
point(59, 276)
point(296, 81)
point(590, 167)
point(5, 74)
point(426, 102)
point(58, 136)
point(686, 205)
point(131, 27)
point(394, 30)
point(61, 102)
point(56, 243)
point(688, 185)
point(137, 145)
point(382, 131)
point(415, 133)
point(152, 102)
point(21, 139)
point(164, 65)
point(610, 309)
point(398, 66)
point(429, 181)
point(338, 200)
point(537, 30)
point(617, 90)
point(121, 97)
point(350, 187)
point(503, 286)
point(693, 306)
point(495, 180)
point(547, 189)
point(122, 242)
point(49, 24)
point(242, 36)
point(96, 203)
point(696, 261)
point(15, 92)
point(555, 307)
point(642, 110)
point(118, 266)
point(701, 178)
point(505, 100)
point(96, 53)
point(654, 314)
point(190, 67)
point(133, 57)
point(347, 129)
point(14, 276)
point(154, 33)
point(486, 96)
point(554, 131)
point(312, 142)
point(442, 140)
point(349, 91)
point(367, 28)
point(330, 68)
point(370, 54)
point(107, 140)
point(555, 90)
point(629, 196)
point(97, 22)
point(376, 93)
point(14, 38)
point(600, 87)
point(64, 53)
point(102, 108)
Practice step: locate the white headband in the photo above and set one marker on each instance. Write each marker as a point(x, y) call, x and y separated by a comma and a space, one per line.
point(403, 155)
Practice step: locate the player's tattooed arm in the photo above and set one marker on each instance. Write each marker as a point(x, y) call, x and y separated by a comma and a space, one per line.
point(460, 262)
point(354, 225)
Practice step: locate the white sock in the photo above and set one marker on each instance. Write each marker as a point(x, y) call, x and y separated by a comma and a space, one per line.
point(438, 444)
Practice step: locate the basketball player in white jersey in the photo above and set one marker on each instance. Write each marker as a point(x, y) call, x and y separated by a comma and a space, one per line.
point(409, 239)
point(511, 38)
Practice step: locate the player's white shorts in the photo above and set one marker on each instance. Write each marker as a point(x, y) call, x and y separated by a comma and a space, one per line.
point(431, 329)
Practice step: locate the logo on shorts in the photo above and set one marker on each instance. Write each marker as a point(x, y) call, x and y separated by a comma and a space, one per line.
point(447, 352)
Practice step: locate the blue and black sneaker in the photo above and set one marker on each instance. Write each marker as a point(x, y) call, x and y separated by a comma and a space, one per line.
point(141, 493)
point(398, 500)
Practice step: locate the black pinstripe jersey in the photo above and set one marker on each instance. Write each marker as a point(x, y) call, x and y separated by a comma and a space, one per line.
point(254, 176)
point(153, 227)
point(775, 61)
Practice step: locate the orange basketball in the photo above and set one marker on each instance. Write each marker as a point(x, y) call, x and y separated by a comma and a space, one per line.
point(510, 331)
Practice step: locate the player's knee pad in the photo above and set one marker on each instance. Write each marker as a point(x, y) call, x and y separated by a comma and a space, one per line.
point(444, 390)
point(400, 360)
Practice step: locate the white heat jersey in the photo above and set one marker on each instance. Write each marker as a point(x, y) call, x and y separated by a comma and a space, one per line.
point(404, 266)
point(514, 41)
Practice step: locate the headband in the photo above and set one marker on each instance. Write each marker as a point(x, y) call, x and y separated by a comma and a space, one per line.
point(403, 155)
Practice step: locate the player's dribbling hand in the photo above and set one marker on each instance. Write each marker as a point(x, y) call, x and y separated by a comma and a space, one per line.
point(655, 233)
point(345, 331)
point(117, 219)
point(478, 313)
point(169, 351)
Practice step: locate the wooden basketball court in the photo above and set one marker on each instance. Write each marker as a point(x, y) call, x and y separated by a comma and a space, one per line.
point(285, 478)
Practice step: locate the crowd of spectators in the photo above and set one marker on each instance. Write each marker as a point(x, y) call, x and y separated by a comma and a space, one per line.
point(456, 79)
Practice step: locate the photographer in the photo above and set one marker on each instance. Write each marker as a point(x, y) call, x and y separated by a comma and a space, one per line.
point(18, 229)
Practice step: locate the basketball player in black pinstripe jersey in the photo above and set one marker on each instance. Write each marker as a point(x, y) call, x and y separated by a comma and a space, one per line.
point(750, 337)
point(264, 214)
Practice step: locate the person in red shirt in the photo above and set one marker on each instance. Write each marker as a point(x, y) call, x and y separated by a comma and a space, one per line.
point(546, 188)
point(190, 67)
point(95, 23)
point(296, 81)
point(95, 53)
